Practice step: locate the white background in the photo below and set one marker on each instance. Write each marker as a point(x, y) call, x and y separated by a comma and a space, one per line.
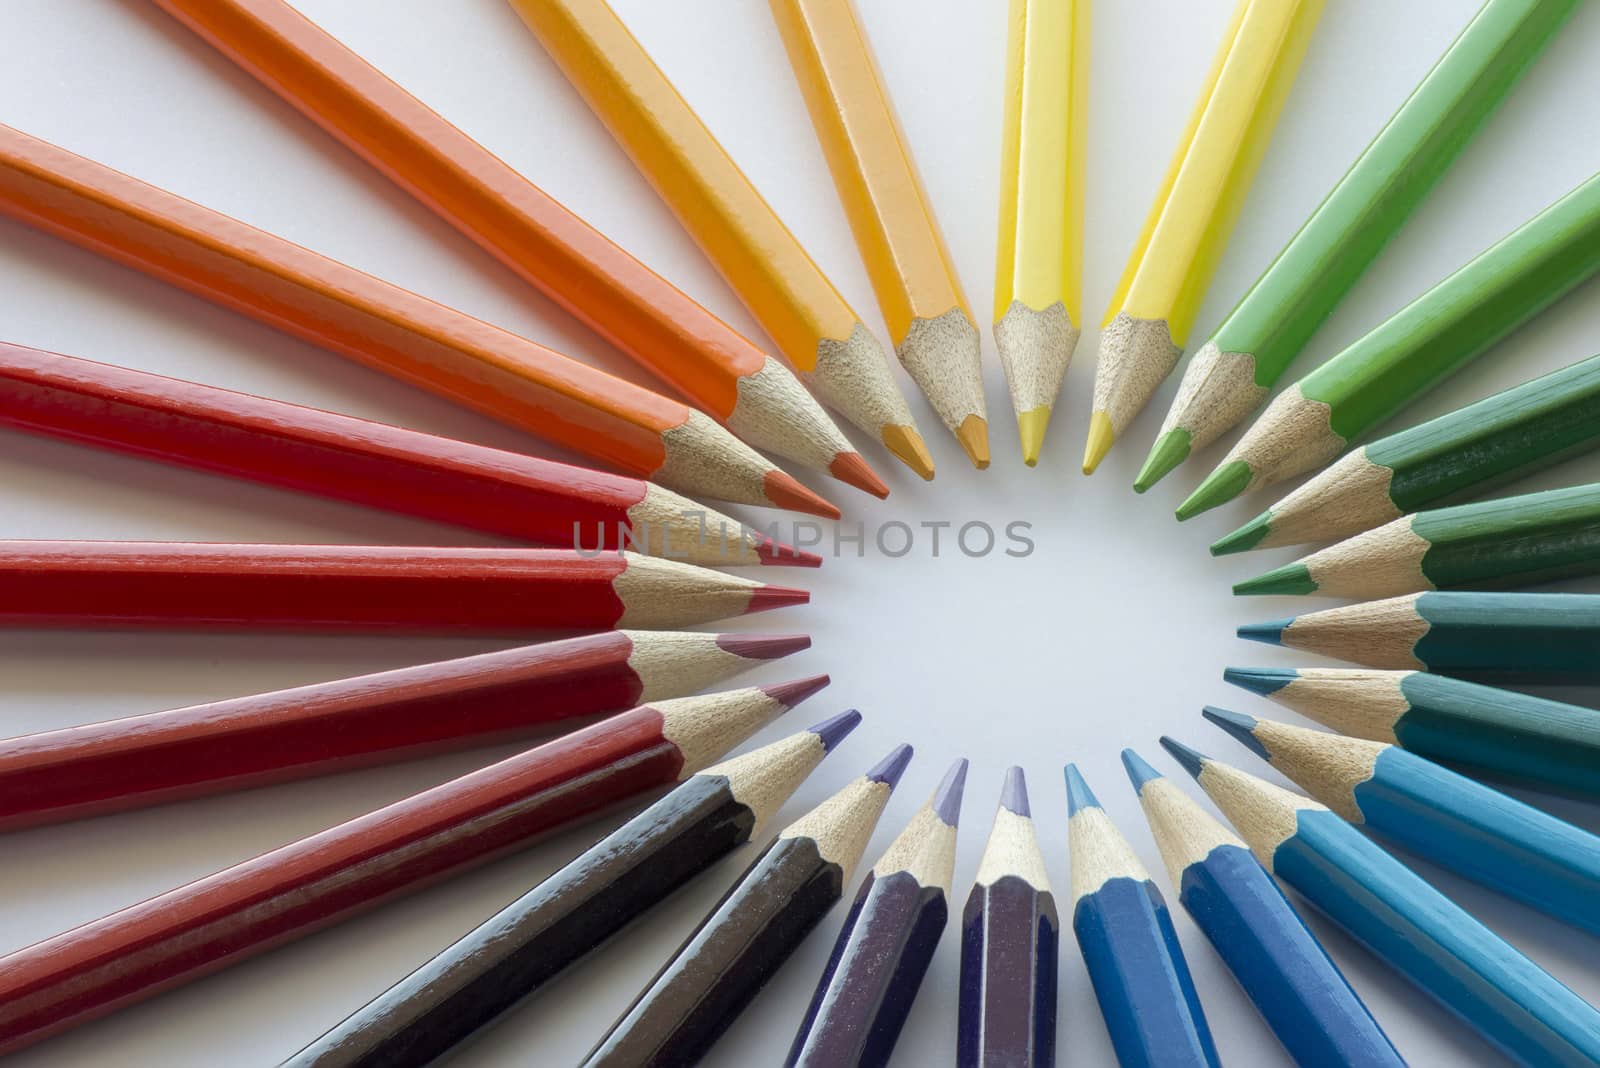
point(1112, 633)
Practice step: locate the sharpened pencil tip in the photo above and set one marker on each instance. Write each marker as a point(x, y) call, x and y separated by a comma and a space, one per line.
point(776, 554)
point(1190, 759)
point(1264, 681)
point(909, 448)
point(890, 768)
point(1170, 450)
point(852, 469)
point(789, 694)
point(1245, 538)
point(1269, 633)
point(973, 434)
point(834, 729)
point(1101, 438)
point(1220, 487)
point(947, 797)
point(1031, 426)
point(1240, 726)
point(765, 598)
point(1139, 771)
point(787, 493)
point(1079, 796)
point(1288, 580)
point(1014, 793)
point(763, 646)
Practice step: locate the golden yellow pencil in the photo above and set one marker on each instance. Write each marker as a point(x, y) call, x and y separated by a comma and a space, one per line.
point(918, 292)
point(1038, 271)
point(1155, 304)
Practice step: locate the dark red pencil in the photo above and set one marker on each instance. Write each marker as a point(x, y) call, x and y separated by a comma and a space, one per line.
point(366, 463)
point(315, 882)
point(362, 587)
point(214, 748)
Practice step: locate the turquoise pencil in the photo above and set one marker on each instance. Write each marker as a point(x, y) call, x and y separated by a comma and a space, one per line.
point(1125, 933)
point(1447, 818)
point(1404, 921)
point(1298, 989)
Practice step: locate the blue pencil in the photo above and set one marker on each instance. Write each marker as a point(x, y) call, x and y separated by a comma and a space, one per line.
point(1299, 991)
point(1407, 923)
point(1125, 933)
point(1436, 813)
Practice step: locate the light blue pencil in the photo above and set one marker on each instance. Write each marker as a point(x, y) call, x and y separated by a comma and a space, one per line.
point(1299, 991)
point(1411, 926)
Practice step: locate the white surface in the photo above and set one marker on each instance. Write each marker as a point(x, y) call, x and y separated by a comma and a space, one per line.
point(1112, 633)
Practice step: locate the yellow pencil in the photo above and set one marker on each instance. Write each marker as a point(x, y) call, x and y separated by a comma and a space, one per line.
point(1155, 303)
point(929, 322)
point(1038, 271)
point(807, 319)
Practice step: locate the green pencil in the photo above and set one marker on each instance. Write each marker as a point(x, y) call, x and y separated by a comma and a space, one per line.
point(1414, 350)
point(1231, 374)
point(1508, 541)
point(1502, 733)
point(1464, 453)
point(1522, 637)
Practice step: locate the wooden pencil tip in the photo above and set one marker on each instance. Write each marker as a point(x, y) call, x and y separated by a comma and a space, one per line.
point(1079, 796)
point(1220, 487)
point(1288, 579)
point(1170, 450)
point(852, 469)
point(1031, 426)
point(1245, 538)
point(1138, 769)
point(789, 694)
point(1101, 438)
point(765, 598)
point(973, 434)
point(1269, 633)
point(909, 448)
point(763, 646)
point(1263, 681)
point(785, 492)
point(1240, 726)
point(1191, 760)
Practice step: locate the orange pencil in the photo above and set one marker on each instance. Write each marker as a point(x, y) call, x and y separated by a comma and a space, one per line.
point(621, 299)
point(385, 327)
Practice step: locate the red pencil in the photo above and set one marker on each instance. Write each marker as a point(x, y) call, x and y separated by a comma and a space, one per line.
point(315, 882)
point(368, 463)
point(362, 588)
point(69, 774)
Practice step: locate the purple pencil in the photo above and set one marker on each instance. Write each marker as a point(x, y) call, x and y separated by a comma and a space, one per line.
point(1010, 935)
point(887, 943)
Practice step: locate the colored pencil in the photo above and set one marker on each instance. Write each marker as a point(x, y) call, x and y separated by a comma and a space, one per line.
point(1508, 541)
point(932, 328)
point(1136, 964)
point(1415, 349)
point(636, 310)
point(1010, 945)
point(387, 328)
point(214, 748)
point(887, 942)
point(371, 588)
point(529, 943)
point(349, 459)
point(1233, 371)
point(763, 919)
point(1454, 821)
point(785, 291)
point(1155, 303)
point(1502, 733)
point(1284, 970)
point(1429, 939)
point(1461, 454)
point(1038, 272)
point(313, 883)
point(1521, 637)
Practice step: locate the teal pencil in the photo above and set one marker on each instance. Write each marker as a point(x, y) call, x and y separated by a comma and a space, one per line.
point(1431, 811)
point(1402, 919)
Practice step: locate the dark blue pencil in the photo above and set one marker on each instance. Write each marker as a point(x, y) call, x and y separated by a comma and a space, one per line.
point(1125, 933)
point(1400, 917)
point(1299, 991)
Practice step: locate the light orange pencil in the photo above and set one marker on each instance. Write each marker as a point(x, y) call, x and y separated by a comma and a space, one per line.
point(929, 321)
point(385, 327)
point(808, 320)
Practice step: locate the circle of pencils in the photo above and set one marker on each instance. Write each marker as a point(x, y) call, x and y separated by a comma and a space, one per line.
point(310, 884)
point(887, 942)
point(1520, 637)
point(527, 944)
point(1402, 919)
point(753, 931)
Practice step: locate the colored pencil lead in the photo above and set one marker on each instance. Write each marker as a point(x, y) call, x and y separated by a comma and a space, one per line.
point(1264, 681)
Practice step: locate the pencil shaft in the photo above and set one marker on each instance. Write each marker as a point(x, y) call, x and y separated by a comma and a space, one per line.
point(1010, 945)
